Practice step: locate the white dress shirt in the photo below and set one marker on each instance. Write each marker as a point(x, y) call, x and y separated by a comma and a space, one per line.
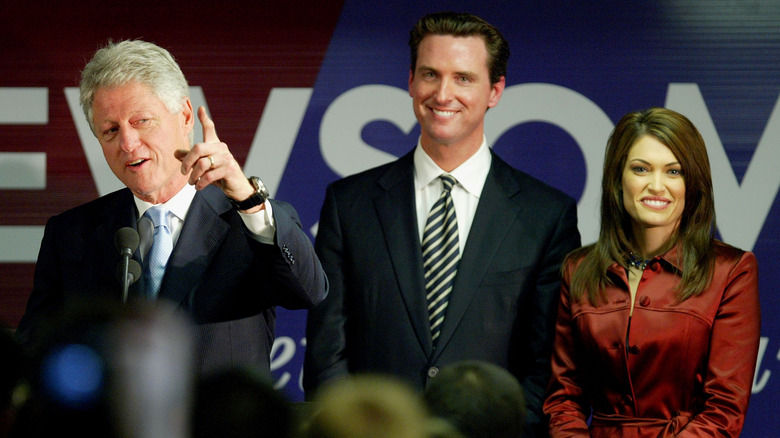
point(260, 225)
point(471, 176)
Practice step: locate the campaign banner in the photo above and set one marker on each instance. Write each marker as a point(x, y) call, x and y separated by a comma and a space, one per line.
point(307, 92)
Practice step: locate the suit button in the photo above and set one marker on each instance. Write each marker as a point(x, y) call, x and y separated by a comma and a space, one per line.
point(644, 301)
point(433, 371)
point(289, 255)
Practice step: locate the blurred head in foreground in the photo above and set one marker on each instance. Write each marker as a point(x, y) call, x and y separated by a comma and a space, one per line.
point(480, 399)
point(367, 406)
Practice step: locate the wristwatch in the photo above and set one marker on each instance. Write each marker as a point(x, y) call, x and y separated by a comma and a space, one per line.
point(259, 197)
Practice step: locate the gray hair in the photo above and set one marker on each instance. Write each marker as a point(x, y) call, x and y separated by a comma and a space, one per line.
point(118, 64)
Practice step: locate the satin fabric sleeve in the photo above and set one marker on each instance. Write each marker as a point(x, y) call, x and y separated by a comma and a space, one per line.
point(733, 352)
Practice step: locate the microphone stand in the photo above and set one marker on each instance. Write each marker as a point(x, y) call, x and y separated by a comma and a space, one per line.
point(126, 279)
point(126, 241)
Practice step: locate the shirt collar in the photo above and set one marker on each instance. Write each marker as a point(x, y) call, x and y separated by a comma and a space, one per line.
point(471, 174)
point(178, 205)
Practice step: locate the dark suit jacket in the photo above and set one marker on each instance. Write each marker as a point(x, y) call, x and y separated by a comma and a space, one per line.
point(503, 305)
point(225, 280)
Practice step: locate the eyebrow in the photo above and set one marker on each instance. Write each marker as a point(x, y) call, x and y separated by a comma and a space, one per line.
point(673, 163)
point(458, 73)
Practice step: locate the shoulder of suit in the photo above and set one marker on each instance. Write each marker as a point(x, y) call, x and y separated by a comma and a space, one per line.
point(215, 196)
point(528, 183)
point(366, 178)
point(98, 205)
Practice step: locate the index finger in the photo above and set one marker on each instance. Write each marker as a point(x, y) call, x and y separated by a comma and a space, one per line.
point(209, 130)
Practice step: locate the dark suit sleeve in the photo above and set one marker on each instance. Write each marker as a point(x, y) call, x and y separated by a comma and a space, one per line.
point(326, 324)
point(564, 238)
point(566, 403)
point(295, 268)
point(46, 295)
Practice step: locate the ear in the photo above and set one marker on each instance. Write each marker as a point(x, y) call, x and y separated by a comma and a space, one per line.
point(188, 116)
point(496, 91)
point(411, 79)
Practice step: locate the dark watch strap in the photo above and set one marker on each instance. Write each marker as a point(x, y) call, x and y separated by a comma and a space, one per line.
point(259, 197)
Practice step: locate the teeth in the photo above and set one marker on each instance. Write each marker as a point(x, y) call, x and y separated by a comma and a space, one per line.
point(654, 203)
point(138, 161)
point(443, 113)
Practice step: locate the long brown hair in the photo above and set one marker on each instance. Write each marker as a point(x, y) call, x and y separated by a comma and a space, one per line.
point(694, 234)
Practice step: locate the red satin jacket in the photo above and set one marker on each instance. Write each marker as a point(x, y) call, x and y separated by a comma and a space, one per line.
point(673, 369)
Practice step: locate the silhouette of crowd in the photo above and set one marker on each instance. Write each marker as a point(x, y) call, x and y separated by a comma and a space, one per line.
point(108, 371)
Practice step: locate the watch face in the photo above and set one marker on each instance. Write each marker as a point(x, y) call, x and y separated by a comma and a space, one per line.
point(260, 189)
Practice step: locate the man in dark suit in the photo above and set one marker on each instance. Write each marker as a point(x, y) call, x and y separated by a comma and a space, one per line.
point(497, 282)
point(234, 254)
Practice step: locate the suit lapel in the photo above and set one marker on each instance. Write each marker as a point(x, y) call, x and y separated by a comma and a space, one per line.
point(395, 208)
point(118, 213)
point(496, 207)
point(201, 234)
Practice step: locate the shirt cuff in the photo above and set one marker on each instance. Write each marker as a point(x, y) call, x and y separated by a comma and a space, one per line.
point(261, 224)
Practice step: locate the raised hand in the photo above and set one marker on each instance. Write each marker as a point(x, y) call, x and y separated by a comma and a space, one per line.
point(211, 162)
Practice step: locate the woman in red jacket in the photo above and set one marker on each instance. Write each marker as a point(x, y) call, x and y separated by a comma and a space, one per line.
point(659, 323)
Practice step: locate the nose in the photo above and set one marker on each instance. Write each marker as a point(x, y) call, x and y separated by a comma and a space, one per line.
point(656, 183)
point(444, 91)
point(128, 139)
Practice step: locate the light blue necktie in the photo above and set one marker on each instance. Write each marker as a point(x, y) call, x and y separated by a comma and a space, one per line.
point(441, 255)
point(159, 251)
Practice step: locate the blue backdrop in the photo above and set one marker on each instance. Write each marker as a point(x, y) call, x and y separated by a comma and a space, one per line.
point(575, 69)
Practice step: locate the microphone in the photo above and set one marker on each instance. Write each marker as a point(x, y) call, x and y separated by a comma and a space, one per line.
point(128, 271)
point(133, 272)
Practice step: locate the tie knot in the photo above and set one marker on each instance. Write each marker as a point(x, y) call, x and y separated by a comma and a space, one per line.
point(158, 215)
point(448, 181)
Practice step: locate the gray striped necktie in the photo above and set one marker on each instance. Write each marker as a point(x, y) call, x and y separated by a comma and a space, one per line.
point(441, 254)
